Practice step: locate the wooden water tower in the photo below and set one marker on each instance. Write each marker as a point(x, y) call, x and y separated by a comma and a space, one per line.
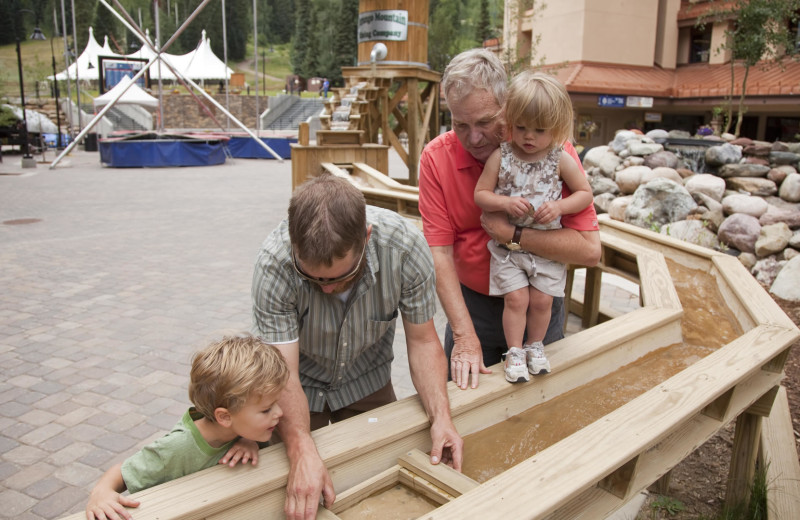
point(406, 87)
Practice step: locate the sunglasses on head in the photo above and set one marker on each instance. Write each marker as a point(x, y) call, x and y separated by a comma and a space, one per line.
point(330, 281)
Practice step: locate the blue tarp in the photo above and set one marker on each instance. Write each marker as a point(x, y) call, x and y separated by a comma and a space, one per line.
point(160, 153)
point(246, 147)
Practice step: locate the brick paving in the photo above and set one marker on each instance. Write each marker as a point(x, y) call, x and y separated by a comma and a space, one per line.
point(109, 280)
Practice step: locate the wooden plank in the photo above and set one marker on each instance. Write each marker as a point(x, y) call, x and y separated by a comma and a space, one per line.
point(423, 487)
point(351, 497)
point(761, 308)
point(441, 475)
point(780, 457)
point(574, 464)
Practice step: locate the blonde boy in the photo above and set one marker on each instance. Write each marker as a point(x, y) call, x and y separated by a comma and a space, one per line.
point(234, 385)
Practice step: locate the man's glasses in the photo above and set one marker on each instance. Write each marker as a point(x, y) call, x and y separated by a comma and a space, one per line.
point(331, 281)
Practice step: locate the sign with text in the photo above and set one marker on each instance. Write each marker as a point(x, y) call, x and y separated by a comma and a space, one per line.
point(610, 101)
point(113, 69)
point(383, 25)
point(639, 101)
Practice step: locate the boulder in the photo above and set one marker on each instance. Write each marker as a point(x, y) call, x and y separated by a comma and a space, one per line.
point(657, 134)
point(707, 184)
point(630, 178)
point(766, 270)
point(661, 171)
point(723, 154)
point(747, 204)
point(641, 148)
point(593, 155)
point(601, 185)
point(786, 214)
point(659, 202)
point(602, 202)
point(790, 188)
point(616, 209)
point(620, 141)
point(663, 158)
point(743, 170)
point(784, 157)
point(776, 175)
point(692, 231)
point(752, 185)
point(740, 231)
point(772, 239)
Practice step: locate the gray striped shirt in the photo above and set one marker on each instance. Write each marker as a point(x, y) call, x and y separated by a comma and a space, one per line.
point(345, 348)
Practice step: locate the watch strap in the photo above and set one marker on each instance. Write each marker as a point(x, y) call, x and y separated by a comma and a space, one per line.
point(517, 235)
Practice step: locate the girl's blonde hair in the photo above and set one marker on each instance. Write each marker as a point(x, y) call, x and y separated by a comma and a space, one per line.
point(228, 372)
point(539, 100)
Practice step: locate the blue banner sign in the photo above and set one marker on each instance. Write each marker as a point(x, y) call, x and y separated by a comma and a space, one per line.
point(610, 101)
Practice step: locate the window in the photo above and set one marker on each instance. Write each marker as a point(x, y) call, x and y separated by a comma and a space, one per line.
point(700, 44)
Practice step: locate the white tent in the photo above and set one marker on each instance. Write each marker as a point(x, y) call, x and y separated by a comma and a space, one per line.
point(36, 121)
point(204, 64)
point(87, 63)
point(134, 95)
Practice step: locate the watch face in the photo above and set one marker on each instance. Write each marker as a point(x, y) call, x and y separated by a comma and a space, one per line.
point(512, 246)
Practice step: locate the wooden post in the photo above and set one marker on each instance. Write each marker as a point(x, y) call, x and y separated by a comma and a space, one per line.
point(743, 458)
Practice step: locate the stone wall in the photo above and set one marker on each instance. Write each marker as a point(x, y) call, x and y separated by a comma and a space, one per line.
point(184, 111)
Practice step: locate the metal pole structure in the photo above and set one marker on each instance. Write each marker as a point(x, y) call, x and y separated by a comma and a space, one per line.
point(255, 63)
point(66, 65)
point(77, 78)
point(26, 156)
point(138, 32)
point(158, 51)
point(225, 57)
point(55, 82)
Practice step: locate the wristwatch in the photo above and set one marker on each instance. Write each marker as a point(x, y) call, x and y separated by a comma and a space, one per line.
point(513, 245)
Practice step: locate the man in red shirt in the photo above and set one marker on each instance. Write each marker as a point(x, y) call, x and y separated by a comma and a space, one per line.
point(474, 85)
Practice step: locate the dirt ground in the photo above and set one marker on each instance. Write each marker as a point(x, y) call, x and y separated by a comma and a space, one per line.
point(699, 481)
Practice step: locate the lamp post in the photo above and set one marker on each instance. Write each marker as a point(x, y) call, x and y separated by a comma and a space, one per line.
point(55, 81)
point(27, 159)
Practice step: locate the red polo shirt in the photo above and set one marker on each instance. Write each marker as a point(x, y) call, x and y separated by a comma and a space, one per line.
point(447, 179)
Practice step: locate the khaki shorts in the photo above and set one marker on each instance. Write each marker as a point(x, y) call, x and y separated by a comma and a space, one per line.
point(512, 270)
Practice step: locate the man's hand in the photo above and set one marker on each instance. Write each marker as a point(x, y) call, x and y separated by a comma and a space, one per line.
point(308, 479)
point(447, 445)
point(497, 226)
point(465, 360)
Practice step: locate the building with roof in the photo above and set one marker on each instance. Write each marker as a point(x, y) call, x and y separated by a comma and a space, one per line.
point(646, 64)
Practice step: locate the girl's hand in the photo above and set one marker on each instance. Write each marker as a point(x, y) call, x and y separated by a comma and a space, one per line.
point(517, 206)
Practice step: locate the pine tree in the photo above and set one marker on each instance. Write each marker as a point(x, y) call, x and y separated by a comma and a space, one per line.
point(346, 39)
point(300, 40)
point(483, 27)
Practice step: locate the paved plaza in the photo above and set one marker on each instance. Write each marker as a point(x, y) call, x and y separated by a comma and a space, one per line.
point(109, 280)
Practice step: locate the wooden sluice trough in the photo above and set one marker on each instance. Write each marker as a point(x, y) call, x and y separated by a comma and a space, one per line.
point(599, 463)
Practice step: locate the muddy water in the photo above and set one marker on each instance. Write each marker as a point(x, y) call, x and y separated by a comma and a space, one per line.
point(706, 326)
point(396, 503)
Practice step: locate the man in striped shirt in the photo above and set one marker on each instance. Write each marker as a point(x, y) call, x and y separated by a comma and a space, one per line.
point(328, 285)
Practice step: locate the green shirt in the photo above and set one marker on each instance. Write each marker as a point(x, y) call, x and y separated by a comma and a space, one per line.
point(345, 347)
point(180, 452)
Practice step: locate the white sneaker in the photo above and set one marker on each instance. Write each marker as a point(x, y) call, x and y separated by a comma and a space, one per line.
point(537, 362)
point(516, 371)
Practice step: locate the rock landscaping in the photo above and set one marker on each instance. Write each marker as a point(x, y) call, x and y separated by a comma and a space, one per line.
point(734, 195)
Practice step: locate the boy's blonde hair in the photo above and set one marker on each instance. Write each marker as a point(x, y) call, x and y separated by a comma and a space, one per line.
point(538, 100)
point(226, 373)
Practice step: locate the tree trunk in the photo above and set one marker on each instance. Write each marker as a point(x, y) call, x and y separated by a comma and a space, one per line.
point(742, 108)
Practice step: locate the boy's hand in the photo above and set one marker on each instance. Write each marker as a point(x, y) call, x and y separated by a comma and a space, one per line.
point(517, 206)
point(243, 450)
point(547, 212)
point(107, 504)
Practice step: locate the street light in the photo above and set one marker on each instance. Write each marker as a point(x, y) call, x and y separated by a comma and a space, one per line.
point(27, 159)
